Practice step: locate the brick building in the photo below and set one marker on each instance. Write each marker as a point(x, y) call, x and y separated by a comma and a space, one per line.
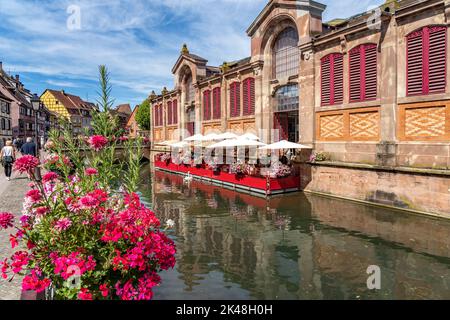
point(371, 91)
point(123, 113)
point(5, 120)
point(74, 109)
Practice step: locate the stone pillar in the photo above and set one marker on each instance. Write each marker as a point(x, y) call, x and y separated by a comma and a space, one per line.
point(306, 81)
point(388, 90)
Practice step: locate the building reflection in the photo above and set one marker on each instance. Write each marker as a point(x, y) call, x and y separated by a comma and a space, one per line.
point(300, 246)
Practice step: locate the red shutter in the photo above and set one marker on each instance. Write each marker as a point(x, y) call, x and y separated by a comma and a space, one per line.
point(235, 100)
point(169, 113)
point(363, 73)
point(355, 74)
point(249, 97)
point(437, 59)
point(207, 105)
point(175, 111)
point(216, 103)
point(326, 80)
point(370, 72)
point(161, 114)
point(338, 72)
point(415, 63)
point(155, 117)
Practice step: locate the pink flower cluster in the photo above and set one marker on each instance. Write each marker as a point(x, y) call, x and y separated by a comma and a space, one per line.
point(97, 142)
point(26, 164)
point(34, 282)
point(73, 264)
point(6, 220)
point(91, 172)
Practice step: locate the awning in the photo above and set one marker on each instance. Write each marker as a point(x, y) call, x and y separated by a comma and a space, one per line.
point(236, 143)
point(283, 144)
point(249, 136)
point(196, 137)
point(227, 135)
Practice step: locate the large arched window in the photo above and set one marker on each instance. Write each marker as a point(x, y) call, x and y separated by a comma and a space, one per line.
point(286, 54)
point(287, 98)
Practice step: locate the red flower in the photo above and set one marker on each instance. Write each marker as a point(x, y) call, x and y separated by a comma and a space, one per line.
point(84, 294)
point(32, 282)
point(34, 195)
point(50, 176)
point(26, 164)
point(97, 142)
point(104, 290)
point(6, 220)
point(91, 172)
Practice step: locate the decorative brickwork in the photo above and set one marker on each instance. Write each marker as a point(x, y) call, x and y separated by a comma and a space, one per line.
point(242, 126)
point(424, 121)
point(349, 125)
point(212, 127)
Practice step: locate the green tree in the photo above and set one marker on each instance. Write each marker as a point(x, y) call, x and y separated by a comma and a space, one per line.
point(143, 115)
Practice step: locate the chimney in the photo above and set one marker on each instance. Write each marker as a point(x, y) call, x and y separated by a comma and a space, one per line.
point(17, 78)
point(1, 66)
point(62, 91)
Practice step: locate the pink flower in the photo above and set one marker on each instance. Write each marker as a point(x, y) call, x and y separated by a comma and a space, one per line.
point(50, 176)
point(104, 290)
point(97, 142)
point(26, 164)
point(63, 224)
point(6, 220)
point(32, 282)
point(91, 172)
point(84, 294)
point(19, 260)
point(123, 138)
point(34, 195)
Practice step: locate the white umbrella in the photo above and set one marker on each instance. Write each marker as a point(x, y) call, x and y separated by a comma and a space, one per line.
point(236, 143)
point(181, 144)
point(227, 135)
point(167, 143)
point(211, 137)
point(196, 137)
point(283, 144)
point(249, 136)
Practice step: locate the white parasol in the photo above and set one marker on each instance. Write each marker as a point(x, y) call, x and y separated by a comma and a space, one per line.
point(283, 144)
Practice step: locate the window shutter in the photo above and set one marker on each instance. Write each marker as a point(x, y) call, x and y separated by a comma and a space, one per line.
point(155, 120)
point(415, 63)
point(326, 80)
point(169, 113)
point(249, 97)
point(235, 100)
point(332, 75)
point(363, 73)
point(370, 72)
point(216, 103)
point(207, 105)
point(355, 74)
point(175, 111)
point(338, 73)
point(161, 114)
point(437, 59)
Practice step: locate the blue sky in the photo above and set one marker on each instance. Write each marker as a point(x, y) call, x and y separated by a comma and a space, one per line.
point(138, 40)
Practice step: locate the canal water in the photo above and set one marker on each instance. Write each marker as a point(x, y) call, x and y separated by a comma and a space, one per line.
point(232, 245)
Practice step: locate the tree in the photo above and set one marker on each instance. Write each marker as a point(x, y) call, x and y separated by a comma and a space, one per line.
point(143, 115)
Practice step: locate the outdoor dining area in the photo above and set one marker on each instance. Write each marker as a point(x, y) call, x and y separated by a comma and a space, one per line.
point(240, 162)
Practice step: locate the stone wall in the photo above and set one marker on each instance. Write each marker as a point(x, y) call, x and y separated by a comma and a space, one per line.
point(423, 190)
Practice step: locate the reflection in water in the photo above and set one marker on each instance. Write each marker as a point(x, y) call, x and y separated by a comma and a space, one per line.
point(236, 246)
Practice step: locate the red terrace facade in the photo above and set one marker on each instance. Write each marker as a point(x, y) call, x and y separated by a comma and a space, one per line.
point(371, 93)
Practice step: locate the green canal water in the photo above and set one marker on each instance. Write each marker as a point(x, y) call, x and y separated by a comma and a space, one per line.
point(298, 246)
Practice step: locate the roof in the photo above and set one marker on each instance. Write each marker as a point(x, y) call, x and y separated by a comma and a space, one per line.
point(124, 108)
point(72, 103)
point(4, 97)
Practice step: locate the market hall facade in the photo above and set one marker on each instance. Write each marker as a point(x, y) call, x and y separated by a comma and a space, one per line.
point(370, 93)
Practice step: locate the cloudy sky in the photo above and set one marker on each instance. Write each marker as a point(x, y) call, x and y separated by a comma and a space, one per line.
point(139, 40)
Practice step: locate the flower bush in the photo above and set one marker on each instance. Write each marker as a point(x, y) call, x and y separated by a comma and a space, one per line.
point(86, 235)
point(280, 170)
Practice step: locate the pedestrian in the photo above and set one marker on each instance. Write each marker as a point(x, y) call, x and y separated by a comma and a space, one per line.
point(29, 148)
point(8, 155)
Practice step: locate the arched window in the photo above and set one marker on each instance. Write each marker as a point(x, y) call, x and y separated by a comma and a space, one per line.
point(190, 91)
point(287, 98)
point(426, 60)
point(286, 54)
point(332, 79)
point(363, 72)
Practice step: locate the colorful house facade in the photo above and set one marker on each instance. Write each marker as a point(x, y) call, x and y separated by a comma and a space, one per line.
point(74, 109)
point(370, 93)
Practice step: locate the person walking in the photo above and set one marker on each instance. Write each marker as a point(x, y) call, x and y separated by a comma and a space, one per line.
point(8, 155)
point(29, 148)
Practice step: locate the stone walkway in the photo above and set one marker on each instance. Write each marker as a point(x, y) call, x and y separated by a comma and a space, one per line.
point(11, 200)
